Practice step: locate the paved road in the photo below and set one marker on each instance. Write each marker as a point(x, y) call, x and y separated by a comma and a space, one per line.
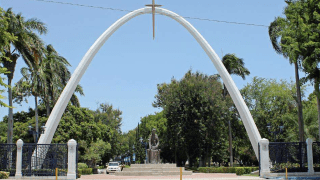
point(198, 176)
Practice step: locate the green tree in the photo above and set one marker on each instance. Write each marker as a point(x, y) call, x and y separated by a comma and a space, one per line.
point(26, 45)
point(272, 102)
point(57, 78)
point(309, 48)
point(5, 39)
point(106, 114)
point(34, 82)
point(311, 117)
point(44, 80)
point(235, 66)
point(76, 123)
point(286, 39)
point(95, 151)
point(192, 107)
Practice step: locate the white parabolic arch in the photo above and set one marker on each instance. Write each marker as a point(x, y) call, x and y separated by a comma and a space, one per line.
point(64, 98)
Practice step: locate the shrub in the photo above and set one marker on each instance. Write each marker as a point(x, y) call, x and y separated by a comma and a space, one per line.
point(213, 170)
point(4, 175)
point(204, 169)
point(86, 171)
point(82, 165)
point(247, 170)
point(232, 170)
point(240, 171)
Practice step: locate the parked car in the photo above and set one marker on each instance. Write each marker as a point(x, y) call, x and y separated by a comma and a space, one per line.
point(113, 167)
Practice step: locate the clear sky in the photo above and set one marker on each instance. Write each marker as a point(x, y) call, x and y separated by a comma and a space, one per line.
point(127, 69)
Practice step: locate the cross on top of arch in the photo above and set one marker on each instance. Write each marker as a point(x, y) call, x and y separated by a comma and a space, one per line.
point(153, 5)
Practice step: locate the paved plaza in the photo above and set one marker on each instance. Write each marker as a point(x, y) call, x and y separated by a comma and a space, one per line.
point(198, 176)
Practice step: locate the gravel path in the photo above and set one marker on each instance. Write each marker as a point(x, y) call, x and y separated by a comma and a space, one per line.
point(198, 176)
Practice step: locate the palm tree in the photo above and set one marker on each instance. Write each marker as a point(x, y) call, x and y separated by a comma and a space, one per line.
point(279, 33)
point(35, 77)
point(25, 46)
point(5, 39)
point(235, 66)
point(45, 79)
point(57, 79)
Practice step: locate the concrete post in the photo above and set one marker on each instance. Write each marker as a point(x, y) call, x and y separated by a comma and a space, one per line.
point(18, 174)
point(310, 156)
point(72, 155)
point(264, 157)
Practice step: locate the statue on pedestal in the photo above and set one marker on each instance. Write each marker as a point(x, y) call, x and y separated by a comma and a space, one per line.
point(153, 151)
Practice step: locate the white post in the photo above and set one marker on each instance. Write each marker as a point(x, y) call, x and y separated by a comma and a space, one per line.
point(264, 157)
point(310, 156)
point(72, 144)
point(18, 174)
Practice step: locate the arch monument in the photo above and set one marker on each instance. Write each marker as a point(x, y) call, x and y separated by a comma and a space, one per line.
point(64, 98)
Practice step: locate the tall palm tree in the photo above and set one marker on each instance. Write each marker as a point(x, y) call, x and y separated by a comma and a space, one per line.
point(57, 79)
point(45, 79)
point(5, 39)
point(235, 66)
point(35, 77)
point(277, 34)
point(25, 46)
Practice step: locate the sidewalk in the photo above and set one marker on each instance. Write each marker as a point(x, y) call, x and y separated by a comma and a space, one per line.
point(197, 176)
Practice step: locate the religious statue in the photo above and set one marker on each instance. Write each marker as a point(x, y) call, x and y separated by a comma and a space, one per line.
point(153, 151)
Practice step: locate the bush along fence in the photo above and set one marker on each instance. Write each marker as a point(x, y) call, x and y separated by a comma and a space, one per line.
point(22, 160)
point(299, 158)
point(237, 170)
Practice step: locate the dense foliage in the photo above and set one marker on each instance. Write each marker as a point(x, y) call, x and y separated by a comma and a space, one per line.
point(5, 38)
point(93, 130)
point(193, 108)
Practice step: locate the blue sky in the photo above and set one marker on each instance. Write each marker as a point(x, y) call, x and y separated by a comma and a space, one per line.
point(127, 69)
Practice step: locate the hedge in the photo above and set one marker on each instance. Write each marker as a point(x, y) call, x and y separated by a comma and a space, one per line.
point(4, 175)
point(82, 166)
point(240, 171)
point(85, 171)
point(237, 170)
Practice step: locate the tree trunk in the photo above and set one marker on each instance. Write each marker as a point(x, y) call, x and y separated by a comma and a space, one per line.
point(230, 145)
point(230, 135)
point(36, 117)
point(300, 116)
point(10, 65)
point(10, 118)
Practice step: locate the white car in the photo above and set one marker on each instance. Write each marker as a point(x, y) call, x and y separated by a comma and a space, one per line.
point(113, 167)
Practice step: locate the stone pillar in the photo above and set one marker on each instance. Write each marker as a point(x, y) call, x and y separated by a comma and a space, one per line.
point(18, 174)
point(264, 157)
point(72, 155)
point(310, 156)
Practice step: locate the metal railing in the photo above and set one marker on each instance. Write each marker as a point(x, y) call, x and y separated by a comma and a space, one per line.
point(316, 156)
point(8, 154)
point(43, 159)
point(292, 155)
